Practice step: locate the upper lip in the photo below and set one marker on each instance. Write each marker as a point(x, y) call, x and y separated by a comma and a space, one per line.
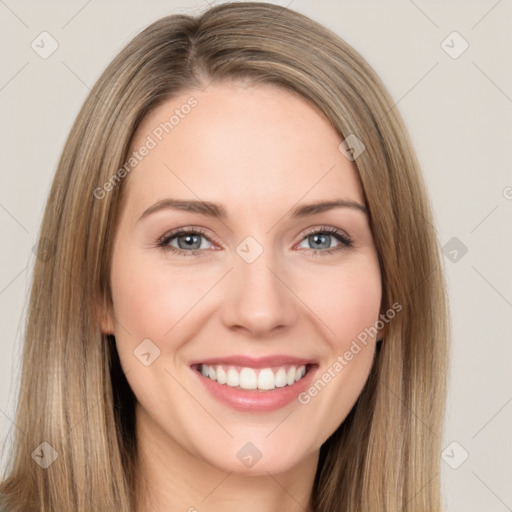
point(255, 362)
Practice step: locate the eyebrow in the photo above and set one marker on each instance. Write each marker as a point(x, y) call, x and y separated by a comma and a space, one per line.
point(215, 210)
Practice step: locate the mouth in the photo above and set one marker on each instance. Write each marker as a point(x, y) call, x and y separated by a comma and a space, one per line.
point(255, 385)
point(254, 379)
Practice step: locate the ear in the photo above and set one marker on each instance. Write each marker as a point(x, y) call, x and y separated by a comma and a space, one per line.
point(382, 333)
point(104, 315)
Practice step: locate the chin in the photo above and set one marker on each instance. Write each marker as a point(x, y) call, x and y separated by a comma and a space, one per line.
point(257, 458)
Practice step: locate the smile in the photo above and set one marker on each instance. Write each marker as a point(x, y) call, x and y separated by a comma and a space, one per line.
point(255, 385)
point(263, 379)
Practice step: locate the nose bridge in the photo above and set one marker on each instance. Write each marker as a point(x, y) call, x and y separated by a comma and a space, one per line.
point(257, 298)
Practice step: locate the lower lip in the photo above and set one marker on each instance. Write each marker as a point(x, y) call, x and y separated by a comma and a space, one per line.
point(257, 400)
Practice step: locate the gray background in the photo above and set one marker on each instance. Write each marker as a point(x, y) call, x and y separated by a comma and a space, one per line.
point(458, 111)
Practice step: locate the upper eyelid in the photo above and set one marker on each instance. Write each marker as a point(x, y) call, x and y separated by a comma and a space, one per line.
point(181, 231)
point(304, 233)
point(324, 228)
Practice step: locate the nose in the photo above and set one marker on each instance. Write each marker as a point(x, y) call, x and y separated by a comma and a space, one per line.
point(258, 298)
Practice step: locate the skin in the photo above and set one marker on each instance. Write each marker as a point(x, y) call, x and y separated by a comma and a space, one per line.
point(259, 151)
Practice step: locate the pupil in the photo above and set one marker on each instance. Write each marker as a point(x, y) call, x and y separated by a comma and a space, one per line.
point(318, 238)
point(189, 240)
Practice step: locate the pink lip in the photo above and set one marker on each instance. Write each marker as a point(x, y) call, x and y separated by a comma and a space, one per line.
point(256, 401)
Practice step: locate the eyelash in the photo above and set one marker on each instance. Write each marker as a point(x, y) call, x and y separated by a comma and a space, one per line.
point(344, 240)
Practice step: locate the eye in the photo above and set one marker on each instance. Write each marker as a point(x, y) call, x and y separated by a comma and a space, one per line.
point(184, 242)
point(189, 241)
point(320, 240)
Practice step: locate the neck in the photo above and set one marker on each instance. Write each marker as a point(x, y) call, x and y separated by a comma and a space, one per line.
point(172, 478)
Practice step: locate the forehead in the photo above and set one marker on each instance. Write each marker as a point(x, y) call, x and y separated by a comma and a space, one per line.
point(235, 143)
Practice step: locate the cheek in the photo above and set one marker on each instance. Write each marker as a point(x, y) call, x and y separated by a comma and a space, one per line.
point(152, 299)
point(152, 302)
point(346, 298)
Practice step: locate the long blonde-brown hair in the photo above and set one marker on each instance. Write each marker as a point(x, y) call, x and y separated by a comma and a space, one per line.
point(74, 396)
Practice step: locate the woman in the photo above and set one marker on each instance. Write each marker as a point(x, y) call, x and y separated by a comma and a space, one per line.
point(295, 359)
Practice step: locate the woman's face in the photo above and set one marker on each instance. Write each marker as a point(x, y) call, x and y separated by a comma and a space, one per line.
point(218, 261)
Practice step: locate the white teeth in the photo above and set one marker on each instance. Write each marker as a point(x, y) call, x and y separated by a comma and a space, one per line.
point(233, 378)
point(301, 371)
point(249, 378)
point(281, 378)
point(266, 379)
point(221, 375)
